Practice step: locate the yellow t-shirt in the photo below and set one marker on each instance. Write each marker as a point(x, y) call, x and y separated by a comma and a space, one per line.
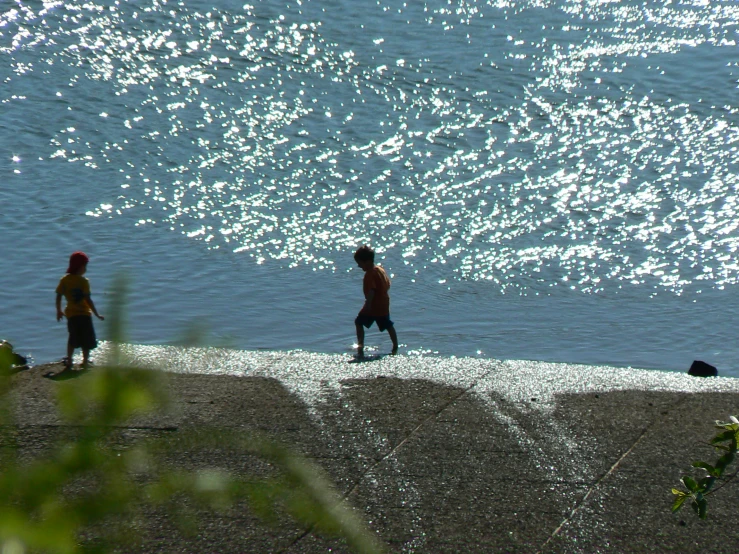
point(76, 289)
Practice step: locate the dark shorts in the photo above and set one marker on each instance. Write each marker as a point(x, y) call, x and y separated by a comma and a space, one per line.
point(81, 332)
point(383, 321)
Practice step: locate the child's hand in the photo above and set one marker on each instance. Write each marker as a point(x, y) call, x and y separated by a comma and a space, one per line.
point(101, 318)
point(59, 315)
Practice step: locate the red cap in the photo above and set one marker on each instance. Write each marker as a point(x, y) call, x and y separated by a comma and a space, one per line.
point(76, 261)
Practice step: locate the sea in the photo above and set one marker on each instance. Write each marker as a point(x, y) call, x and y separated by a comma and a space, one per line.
point(550, 180)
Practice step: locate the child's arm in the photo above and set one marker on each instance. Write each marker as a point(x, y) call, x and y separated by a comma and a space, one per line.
point(92, 307)
point(368, 301)
point(59, 312)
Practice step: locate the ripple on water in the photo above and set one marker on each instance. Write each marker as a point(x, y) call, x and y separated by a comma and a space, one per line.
point(533, 145)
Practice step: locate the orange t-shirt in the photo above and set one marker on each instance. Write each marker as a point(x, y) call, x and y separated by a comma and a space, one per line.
point(377, 279)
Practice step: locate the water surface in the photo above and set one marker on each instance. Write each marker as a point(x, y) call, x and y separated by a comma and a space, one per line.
point(543, 180)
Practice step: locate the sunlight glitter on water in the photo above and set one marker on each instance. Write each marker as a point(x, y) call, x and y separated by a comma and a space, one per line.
point(531, 155)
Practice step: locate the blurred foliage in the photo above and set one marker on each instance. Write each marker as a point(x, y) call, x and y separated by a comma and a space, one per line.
point(87, 493)
point(714, 476)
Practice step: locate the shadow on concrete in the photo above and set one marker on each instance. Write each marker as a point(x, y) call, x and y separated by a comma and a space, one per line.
point(438, 468)
point(66, 374)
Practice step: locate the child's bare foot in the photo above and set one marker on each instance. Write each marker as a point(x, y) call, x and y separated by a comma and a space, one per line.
point(360, 353)
point(394, 351)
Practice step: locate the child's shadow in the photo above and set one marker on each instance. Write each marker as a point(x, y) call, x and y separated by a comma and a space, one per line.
point(367, 358)
point(66, 374)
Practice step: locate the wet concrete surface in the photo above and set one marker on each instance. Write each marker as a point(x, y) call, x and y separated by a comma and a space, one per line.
point(439, 454)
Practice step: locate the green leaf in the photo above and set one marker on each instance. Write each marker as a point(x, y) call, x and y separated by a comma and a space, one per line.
point(706, 483)
point(702, 508)
point(727, 425)
point(695, 507)
point(703, 465)
point(723, 437)
point(6, 361)
point(690, 483)
point(678, 502)
point(678, 492)
point(723, 462)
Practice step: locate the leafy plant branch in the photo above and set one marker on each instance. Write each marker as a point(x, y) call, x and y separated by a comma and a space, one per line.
point(698, 491)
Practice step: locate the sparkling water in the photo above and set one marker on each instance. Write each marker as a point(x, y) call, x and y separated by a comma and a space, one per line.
point(548, 180)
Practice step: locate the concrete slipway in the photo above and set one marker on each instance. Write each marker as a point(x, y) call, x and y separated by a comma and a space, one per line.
point(447, 455)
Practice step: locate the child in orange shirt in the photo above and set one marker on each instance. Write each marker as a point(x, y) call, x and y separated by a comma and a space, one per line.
point(376, 299)
point(80, 307)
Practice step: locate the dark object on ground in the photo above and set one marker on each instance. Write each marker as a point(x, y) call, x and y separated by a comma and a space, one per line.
point(702, 369)
point(15, 358)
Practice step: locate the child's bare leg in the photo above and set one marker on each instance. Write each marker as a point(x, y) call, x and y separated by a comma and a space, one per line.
point(85, 356)
point(360, 340)
point(394, 338)
point(70, 353)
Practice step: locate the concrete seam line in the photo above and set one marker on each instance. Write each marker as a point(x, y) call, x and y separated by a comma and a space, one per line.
point(603, 477)
point(394, 450)
point(397, 447)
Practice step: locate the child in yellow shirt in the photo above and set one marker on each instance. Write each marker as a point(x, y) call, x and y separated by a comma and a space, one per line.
point(75, 288)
